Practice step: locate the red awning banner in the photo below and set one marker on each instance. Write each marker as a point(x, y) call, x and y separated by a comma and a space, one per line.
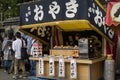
point(115, 0)
point(113, 14)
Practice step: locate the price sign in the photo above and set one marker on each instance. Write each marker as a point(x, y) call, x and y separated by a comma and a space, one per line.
point(51, 67)
point(61, 67)
point(73, 69)
point(41, 66)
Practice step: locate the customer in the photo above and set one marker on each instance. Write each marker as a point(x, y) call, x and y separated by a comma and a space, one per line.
point(13, 58)
point(29, 44)
point(6, 46)
point(17, 44)
point(32, 62)
point(1, 52)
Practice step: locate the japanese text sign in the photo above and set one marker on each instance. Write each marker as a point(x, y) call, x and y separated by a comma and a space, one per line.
point(51, 66)
point(73, 69)
point(36, 49)
point(56, 10)
point(43, 33)
point(52, 10)
point(41, 66)
point(96, 16)
point(61, 67)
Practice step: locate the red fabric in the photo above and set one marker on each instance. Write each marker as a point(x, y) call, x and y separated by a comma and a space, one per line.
point(108, 50)
point(55, 37)
point(108, 20)
point(113, 49)
point(55, 42)
point(115, 0)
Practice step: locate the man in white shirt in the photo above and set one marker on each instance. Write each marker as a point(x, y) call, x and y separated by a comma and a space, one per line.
point(17, 44)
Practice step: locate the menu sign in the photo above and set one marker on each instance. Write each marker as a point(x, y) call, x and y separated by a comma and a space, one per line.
point(41, 66)
point(51, 67)
point(73, 69)
point(61, 67)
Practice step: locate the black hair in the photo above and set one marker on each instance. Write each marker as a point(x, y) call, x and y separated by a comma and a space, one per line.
point(18, 34)
point(78, 35)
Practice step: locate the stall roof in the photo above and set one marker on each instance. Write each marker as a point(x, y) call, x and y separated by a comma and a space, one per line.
point(69, 25)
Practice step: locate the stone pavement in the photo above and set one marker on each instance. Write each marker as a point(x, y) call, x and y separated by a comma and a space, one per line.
point(6, 76)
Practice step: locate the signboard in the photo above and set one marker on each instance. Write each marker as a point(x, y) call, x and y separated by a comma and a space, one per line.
point(51, 66)
point(73, 69)
point(42, 33)
point(52, 11)
point(36, 49)
point(113, 14)
point(97, 18)
point(61, 67)
point(41, 66)
point(83, 45)
point(49, 11)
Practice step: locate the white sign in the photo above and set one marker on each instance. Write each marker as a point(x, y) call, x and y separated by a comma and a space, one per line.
point(73, 69)
point(71, 8)
point(51, 67)
point(41, 66)
point(61, 67)
point(83, 45)
point(36, 49)
point(54, 9)
point(115, 12)
point(39, 14)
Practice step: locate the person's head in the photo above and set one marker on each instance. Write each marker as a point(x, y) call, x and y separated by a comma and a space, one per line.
point(77, 37)
point(18, 35)
point(5, 35)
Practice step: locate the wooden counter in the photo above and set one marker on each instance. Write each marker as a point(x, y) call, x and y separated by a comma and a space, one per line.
point(86, 69)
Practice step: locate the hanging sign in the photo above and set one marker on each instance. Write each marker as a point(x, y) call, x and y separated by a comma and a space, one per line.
point(73, 69)
point(83, 45)
point(42, 33)
point(61, 67)
point(96, 16)
point(50, 10)
point(41, 66)
point(51, 66)
point(113, 14)
point(45, 11)
point(37, 49)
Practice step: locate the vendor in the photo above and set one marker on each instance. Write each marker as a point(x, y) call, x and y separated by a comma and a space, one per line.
point(77, 37)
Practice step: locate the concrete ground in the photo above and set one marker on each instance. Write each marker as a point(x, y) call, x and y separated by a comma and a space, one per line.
point(6, 76)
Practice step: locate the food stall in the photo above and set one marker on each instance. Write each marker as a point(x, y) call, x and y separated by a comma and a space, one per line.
point(55, 23)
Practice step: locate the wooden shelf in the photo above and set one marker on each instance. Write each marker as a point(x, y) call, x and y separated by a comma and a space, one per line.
point(83, 61)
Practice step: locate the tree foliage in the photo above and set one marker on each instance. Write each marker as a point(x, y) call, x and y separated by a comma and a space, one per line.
point(9, 8)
